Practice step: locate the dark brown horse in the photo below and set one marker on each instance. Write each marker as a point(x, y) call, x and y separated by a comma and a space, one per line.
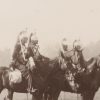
point(88, 80)
point(54, 74)
point(46, 70)
point(57, 83)
point(21, 87)
point(50, 76)
point(39, 78)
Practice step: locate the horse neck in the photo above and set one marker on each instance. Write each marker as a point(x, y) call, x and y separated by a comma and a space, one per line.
point(47, 66)
point(42, 66)
point(82, 60)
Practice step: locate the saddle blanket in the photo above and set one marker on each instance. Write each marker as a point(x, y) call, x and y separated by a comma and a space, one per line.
point(15, 76)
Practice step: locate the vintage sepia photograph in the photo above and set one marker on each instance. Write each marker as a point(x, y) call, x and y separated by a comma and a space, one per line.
point(49, 49)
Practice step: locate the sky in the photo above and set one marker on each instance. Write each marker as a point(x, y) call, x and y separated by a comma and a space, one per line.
point(51, 19)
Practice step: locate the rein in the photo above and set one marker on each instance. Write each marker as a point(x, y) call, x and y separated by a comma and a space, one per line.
point(33, 50)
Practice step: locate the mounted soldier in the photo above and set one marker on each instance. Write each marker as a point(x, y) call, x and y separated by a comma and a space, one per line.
point(63, 49)
point(66, 56)
point(77, 46)
point(19, 60)
point(65, 61)
point(33, 42)
point(65, 53)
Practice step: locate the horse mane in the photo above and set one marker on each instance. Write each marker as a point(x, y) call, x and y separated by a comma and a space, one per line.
point(89, 61)
point(82, 60)
point(45, 66)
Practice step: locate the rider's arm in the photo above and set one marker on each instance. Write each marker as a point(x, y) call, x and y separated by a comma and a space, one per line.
point(28, 54)
point(16, 52)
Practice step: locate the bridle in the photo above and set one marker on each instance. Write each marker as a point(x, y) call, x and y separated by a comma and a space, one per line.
point(34, 52)
point(75, 55)
point(72, 53)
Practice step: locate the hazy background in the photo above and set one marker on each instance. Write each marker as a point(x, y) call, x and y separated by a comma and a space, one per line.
point(52, 20)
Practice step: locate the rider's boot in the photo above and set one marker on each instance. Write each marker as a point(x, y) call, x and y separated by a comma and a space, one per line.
point(30, 89)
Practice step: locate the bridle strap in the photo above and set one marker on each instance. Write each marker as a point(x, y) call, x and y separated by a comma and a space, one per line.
point(34, 53)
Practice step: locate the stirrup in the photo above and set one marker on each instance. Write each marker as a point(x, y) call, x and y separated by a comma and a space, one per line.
point(33, 90)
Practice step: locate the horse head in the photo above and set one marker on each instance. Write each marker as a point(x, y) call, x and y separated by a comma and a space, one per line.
point(76, 57)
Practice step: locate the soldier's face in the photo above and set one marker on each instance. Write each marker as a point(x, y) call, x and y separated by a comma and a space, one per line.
point(65, 48)
point(34, 42)
point(24, 40)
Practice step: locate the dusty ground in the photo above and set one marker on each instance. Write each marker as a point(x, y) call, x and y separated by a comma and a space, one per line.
point(63, 96)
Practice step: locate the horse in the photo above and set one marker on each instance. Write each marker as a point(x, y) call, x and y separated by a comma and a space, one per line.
point(55, 77)
point(39, 76)
point(45, 68)
point(88, 80)
point(50, 76)
point(18, 87)
point(53, 92)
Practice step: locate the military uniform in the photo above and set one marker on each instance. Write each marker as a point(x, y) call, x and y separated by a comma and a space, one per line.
point(32, 47)
point(33, 43)
point(77, 45)
point(19, 61)
point(66, 64)
point(63, 52)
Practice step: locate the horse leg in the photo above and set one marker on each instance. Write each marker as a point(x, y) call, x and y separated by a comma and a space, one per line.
point(48, 94)
point(92, 94)
point(88, 95)
point(45, 96)
point(55, 97)
point(9, 96)
point(54, 94)
point(1, 88)
point(37, 96)
point(34, 97)
point(1, 85)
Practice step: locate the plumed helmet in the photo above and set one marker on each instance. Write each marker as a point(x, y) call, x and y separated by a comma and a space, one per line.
point(23, 35)
point(33, 38)
point(77, 45)
point(64, 41)
point(64, 44)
